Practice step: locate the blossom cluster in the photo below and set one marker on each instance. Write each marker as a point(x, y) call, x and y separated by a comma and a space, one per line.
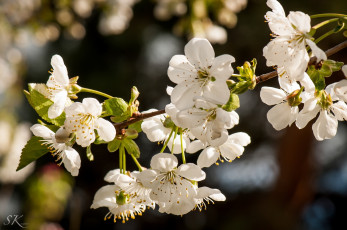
point(174, 189)
point(82, 119)
point(194, 120)
point(288, 52)
point(198, 118)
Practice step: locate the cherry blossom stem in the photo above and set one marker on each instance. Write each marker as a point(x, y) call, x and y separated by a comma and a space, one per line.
point(327, 34)
point(136, 162)
point(124, 161)
point(329, 52)
point(182, 150)
point(86, 90)
point(121, 158)
point(167, 141)
point(326, 22)
point(328, 15)
point(173, 141)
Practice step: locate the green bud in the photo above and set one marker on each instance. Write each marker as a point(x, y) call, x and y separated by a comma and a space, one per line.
point(168, 123)
point(122, 198)
point(324, 99)
point(134, 95)
point(233, 103)
point(131, 133)
point(294, 98)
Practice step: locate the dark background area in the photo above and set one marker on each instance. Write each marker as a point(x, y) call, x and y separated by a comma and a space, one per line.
point(284, 180)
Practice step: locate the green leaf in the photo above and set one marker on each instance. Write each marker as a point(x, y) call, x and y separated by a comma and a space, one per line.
point(32, 151)
point(317, 78)
point(131, 147)
point(90, 155)
point(41, 105)
point(116, 106)
point(233, 103)
point(113, 146)
point(136, 126)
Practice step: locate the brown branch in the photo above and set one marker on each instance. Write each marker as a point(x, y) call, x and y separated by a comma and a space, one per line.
point(136, 117)
point(264, 77)
point(329, 52)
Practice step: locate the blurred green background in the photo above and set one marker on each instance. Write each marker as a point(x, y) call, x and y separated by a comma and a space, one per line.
point(284, 180)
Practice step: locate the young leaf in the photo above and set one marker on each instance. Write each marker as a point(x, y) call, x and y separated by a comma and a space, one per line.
point(90, 155)
point(115, 106)
point(131, 147)
point(113, 146)
point(32, 151)
point(233, 103)
point(41, 105)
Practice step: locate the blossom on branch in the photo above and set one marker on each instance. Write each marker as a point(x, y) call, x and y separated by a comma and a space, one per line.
point(198, 73)
point(57, 143)
point(83, 118)
point(287, 50)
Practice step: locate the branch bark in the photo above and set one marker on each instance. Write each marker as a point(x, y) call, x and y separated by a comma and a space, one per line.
point(264, 77)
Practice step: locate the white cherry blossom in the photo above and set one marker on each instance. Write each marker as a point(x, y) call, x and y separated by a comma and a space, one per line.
point(156, 131)
point(288, 49)
point(172, 187)
point(57, 144)
point(58, 87)
point(232, 148)
point(83, 118)
point(125, 199)
point(330, 113)
point(198, 73)
point(208, 122)
point(207, 195)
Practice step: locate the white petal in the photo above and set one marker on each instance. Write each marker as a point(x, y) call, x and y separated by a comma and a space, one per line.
point(240, 138)
point(195, 146)
point(300, 20)
point(112, 176)
point(217, 91)
point(325, 127)
point(208, 157)
point(106, 130)
point(191, 118)
point(282, 115)
point(272, 96)
point(105, 197)
point(276, 7)
point(180, 69)
point(92, 106)
point(146, 177)
point(169, 90)
point(308, 84)
point(344, 70)
point(215, 194)
point(164, 162)
point(58, 107)
point(309, 112)
point(341, 89)
point(42, 131)
point(340, 110)
point(75, 108)
point(231, 150)
point(72, 161)
point(199, 52)
point(59, 70)
point(183, 94)
point(221, 67)
point(316, 51)
point(191, 172)
point(287, 84)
